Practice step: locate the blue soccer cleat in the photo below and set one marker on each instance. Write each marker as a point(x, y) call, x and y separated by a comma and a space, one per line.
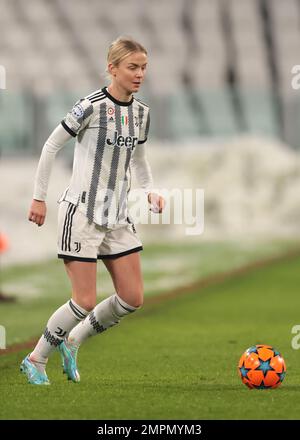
point(34, 376)
point(69, 361)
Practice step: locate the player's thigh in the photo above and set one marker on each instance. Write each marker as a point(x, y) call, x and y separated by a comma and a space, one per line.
point(83, 277)
point(126, 275)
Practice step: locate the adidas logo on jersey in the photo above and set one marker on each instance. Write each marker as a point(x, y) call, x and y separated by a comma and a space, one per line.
point(122, 141)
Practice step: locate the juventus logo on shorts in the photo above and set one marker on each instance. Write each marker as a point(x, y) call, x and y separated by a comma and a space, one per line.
point(78, 246)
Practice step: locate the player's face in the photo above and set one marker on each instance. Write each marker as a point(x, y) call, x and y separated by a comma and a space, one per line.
point(130, 73)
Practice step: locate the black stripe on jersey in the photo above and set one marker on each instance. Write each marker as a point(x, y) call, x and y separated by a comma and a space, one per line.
point(141, 102)
point(91, 95)
point(113, 169)
point(97, 99)
point(71, 132)
point(141, 114)
point(130, 123)
point(141, 121)
point(123, 196)
point(97, 161)
point(147, 125)
point(96, 95)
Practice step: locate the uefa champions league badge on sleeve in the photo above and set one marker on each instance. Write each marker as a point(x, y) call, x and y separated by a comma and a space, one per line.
point(78, 111)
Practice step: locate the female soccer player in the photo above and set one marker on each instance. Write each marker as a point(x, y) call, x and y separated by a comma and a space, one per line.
point(111, 128)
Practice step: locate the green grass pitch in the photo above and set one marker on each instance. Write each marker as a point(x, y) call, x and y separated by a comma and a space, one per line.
point(174, 359)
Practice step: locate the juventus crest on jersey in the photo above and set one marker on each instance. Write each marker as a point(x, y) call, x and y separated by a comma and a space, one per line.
point(108, 133)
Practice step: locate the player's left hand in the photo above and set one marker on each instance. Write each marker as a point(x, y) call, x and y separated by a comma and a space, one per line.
point(157, 202)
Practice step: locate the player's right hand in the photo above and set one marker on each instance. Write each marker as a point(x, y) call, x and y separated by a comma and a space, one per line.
point(37, 212)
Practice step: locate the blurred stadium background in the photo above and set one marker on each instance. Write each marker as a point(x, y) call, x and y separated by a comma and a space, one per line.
point(219, 86)
point(225, 118)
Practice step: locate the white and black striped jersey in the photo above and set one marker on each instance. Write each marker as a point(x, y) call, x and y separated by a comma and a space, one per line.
point(108, 134)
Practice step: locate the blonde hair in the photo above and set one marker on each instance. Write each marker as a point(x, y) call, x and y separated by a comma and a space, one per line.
point(121, 48)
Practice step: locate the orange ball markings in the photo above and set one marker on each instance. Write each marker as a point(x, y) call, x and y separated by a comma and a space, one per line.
point(261, 367)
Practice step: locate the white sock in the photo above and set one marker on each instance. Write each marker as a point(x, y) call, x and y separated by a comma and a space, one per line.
point(106, 314)
point(58, 328)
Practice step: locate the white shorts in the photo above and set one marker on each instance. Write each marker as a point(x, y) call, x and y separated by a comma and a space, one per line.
point(82, 241)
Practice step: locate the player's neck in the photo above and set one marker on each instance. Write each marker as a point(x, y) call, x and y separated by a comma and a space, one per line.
point(119, 93)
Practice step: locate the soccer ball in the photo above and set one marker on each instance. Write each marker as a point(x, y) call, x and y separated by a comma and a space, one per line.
point(261, 367)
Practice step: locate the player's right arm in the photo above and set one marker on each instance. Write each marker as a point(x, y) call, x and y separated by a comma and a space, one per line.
point(75, 121)
point(54, 143)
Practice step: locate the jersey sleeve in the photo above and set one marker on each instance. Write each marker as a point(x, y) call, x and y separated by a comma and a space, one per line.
point(54, 143)
point(78, 117)
point(142, 168)
point(144, 129)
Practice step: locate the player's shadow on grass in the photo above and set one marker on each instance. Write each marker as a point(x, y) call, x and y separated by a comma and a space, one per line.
point(216, 387)
point(198, 386)
point(226, 387)
point(195, 386)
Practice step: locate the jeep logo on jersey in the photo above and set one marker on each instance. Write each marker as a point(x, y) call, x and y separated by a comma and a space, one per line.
point(122, 141)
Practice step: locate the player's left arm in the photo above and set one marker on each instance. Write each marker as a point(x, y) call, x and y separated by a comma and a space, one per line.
point(143, 169)
point(144, 177)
